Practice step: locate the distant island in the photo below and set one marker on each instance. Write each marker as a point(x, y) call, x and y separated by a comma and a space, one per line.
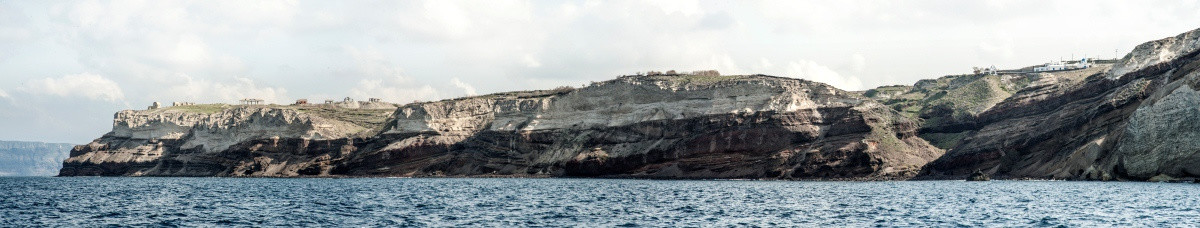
point(1134, 118)
point(32, 158)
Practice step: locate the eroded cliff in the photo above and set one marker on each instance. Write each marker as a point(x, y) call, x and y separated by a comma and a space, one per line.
point(220, 140)
point(1133, 122)
point(675, 126)
point(1135, 119)
point(682, 126)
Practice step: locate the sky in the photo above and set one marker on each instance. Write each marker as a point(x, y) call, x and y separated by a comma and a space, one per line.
point(67, 66)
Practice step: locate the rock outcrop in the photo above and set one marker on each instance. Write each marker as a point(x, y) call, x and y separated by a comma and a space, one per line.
point(219, 140)
point(674, 126)
point(978, 175)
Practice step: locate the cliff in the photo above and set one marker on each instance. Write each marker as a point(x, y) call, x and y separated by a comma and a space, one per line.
point(215, 140)
point(1137, 121)
point(1137, 118)
point(658, 127)
point(32, 158)
point(678, 126)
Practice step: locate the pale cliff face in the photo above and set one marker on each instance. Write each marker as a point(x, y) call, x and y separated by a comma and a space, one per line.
point(581, 121)
point(1163, 134)
point(682, 126)
point(619, 102)
point(216, 131)
point(1156, 52)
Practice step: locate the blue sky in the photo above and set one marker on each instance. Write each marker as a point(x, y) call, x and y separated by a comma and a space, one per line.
point(66, 66)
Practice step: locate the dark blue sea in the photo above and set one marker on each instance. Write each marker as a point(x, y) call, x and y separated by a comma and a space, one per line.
point(454, 202)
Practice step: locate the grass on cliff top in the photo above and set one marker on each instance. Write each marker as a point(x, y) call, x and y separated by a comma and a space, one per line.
point(698, 79)
point(963, 94)
point(895, 90)
point(201, 108)
point(373, 119)
point(974, 97)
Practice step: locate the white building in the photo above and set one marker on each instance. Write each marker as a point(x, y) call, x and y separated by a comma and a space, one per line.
point(1060, 65)
point(1083, 63)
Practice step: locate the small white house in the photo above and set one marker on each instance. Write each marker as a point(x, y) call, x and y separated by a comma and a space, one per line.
point(1060, 65)
point(1083, 63)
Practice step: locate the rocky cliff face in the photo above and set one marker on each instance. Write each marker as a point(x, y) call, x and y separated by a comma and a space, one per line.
point(214, 140)
point(657, 127)
point(1133, 122)
point(1135, 119)
point(32, 158)
point(681, 126)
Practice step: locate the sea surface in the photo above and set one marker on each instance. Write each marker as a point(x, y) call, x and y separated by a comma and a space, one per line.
point(458, 202)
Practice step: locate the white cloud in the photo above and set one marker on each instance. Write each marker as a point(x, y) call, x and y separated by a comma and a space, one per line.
point(383, 79)
point(467, 88)
point(858, 62)
point(764, 63)
point(372, 63)
point(393, 90)
point(684, 7)
point(3, 94)
point(998, 48)
point(816, 72)
point(446, 21)
point(86, 85)
point(191, 89)
point(531, 61)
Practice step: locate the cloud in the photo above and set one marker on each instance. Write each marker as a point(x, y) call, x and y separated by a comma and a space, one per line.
point(467, 88)
point(228, 91)
point(816, 72)
point(3, 94)
point(998, 48)
point(531, 61)
point(370, 62)
point(858, 63)
point(86, 85)
point(393, 90)
point(381, 78)
point(153, 39)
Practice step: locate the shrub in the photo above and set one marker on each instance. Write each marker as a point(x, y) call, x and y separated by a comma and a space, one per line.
point(710, 73)
point(563, 89)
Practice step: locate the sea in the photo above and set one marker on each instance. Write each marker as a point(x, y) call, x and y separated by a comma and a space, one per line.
point(513, 202)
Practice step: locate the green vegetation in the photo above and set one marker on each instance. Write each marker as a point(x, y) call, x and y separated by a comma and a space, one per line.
point(887, 91)
point(945, 141)
point(373, 119)
point(968, 100)
point(201, 108)
point(700, 79)
point(949, 101)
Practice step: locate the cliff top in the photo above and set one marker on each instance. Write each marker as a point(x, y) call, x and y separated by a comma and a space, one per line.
point(371, 117)
point(664, 81)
